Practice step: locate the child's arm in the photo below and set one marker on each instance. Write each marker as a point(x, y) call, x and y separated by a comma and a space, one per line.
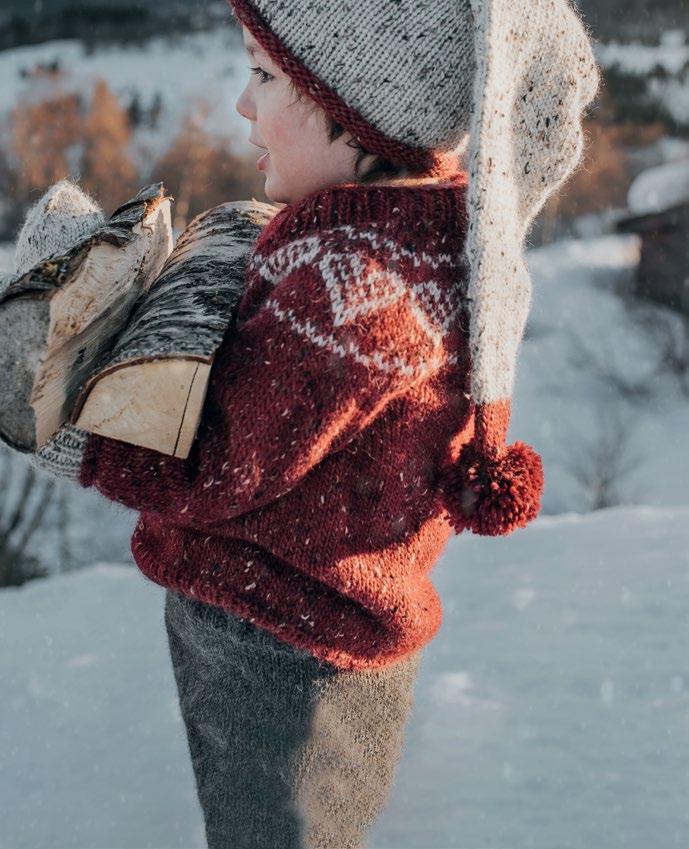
point(294, 381)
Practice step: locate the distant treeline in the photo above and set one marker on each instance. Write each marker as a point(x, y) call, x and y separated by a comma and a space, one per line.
point(625, 20)
point(106, 21)
point(125, 21)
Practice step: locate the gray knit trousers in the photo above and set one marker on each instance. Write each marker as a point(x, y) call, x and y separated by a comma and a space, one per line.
point(288, 752)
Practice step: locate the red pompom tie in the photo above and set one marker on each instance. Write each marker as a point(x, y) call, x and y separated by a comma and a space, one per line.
point(493, 496)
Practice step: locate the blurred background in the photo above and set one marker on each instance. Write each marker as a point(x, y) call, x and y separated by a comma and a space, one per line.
point(118, 94)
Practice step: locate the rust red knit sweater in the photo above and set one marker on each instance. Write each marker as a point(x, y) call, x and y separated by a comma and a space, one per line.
point(308, 503)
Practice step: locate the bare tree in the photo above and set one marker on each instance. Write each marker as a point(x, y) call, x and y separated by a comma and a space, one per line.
point(668, 331)
point(42, 134)
point(602, 364)
point(106, 168)
point(64, 548)
point(200, 170)
point(601, 463)
point(25, 499)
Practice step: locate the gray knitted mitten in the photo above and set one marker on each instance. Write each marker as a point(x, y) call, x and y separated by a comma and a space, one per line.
point(58, 220)
point(62, 454)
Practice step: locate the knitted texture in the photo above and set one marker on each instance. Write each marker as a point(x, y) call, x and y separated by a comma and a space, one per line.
point(398, 78)
point(309, 501)
point(287, 752)
point(62, 455)
point(57, 221)
point(535, 75)
point(412, 81)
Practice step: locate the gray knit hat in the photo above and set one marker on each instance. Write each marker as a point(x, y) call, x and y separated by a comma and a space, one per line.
point(410, 79)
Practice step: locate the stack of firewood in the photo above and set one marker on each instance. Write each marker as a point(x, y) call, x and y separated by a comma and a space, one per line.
point(118, 334)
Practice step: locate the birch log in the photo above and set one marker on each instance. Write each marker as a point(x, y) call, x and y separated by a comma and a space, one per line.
point(59, 319)
point(150, 388)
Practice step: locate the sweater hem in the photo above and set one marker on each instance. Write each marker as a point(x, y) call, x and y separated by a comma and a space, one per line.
point(342, 658)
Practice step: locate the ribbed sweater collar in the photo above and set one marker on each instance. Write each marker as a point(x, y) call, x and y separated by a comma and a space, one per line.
point(437, 206)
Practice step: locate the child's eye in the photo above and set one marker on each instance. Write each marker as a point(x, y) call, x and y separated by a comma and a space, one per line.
point(265, 76)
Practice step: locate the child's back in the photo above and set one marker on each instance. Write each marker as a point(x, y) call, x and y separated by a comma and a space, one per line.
point(333, 405)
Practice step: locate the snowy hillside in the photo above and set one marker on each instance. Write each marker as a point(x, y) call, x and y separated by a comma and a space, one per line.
point(550, 711)
point(209, 65)
point(212, 66)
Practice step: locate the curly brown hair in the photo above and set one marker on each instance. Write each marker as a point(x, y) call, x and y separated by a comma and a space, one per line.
point(379, 169)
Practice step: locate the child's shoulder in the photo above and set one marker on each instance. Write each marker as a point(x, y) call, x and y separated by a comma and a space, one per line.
point(383, 221)
point(391, 265)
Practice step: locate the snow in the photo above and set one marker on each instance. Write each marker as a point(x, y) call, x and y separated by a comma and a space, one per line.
point(674, 96)
point(6, 257)
point(672, 149)
point(550, 710)
point(665, 67)
point(672, 54)
point(660, 188)
point(91, 742)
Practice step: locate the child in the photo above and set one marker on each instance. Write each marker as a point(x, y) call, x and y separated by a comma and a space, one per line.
point(358, 409)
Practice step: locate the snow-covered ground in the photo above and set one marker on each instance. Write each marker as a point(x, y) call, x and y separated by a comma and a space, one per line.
point(671, 54)
point(550, 712)
point(660, 188)
point(6, 257)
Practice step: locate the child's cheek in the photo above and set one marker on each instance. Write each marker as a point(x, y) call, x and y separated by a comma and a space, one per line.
point(282, 130)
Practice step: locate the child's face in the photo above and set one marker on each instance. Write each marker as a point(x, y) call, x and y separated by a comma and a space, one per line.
point(301, 158)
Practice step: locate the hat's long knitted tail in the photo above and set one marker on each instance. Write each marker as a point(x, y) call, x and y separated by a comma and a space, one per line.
point(535, 76)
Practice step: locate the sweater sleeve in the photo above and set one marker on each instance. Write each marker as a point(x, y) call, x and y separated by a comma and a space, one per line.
point(305, 369)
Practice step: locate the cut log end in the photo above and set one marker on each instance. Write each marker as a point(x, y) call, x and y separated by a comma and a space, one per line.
point(105, 357)
point(153, 404)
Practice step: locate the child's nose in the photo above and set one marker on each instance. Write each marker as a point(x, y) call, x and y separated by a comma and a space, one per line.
point(245, 105)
